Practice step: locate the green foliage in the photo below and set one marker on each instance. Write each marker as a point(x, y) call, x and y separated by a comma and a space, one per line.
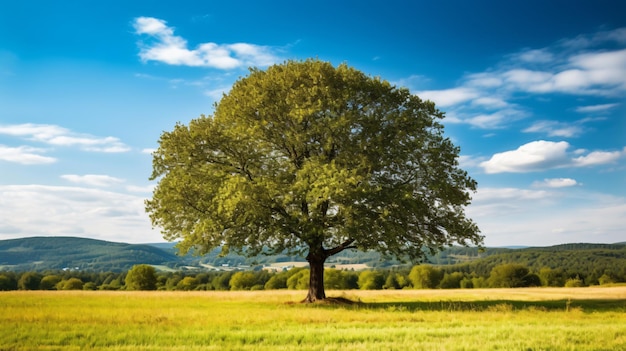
point(574, 283)
point(141, 277)
point(299, 280)
point(187, 283)
point(7, 282)
point(508, 276)
point(58, 253)
point(29, 281)
point(243, 281)
point(451, 280)
point(371, 280)
point(70, 284)
point(49, 282)
point(308, 156)
point(425, 277)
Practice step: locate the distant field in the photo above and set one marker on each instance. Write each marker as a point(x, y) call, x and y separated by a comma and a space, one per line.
point(491, 319)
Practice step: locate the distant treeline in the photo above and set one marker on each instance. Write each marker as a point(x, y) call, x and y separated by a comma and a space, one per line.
point(424, 276)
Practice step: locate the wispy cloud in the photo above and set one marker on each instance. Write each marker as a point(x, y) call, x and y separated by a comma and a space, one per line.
point(543, 155)
point(556, 183)
point(171, 49)
point(98, 180)
point(58, 136)
point(24, 155)
point(582, 66)
point(596, 108)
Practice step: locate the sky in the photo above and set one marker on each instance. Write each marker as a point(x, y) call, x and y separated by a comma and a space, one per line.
point(534, 94)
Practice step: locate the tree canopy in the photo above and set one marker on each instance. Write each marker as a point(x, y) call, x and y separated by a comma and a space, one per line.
point(316, 159)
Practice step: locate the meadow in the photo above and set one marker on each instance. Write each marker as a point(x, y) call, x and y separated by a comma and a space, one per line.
point(591, 318)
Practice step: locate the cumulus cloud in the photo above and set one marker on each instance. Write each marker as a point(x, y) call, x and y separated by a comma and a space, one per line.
point(24, 155)
point(59, 136)
point(542, 155)
point(99, 180)
point(171, 49)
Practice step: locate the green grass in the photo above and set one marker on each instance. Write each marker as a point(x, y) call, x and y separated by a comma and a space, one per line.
point(493, 319)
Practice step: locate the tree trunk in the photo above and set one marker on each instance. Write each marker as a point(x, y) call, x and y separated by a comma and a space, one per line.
point(316, 276)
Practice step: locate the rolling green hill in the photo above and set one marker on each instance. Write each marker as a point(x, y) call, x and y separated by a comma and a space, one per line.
point(55, 253)
point(52, 253)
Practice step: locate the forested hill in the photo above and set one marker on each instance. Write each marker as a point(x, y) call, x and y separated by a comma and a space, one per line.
point(585, 259)
point(53, 253)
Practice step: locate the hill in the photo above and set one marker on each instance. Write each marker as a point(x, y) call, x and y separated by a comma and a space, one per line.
point(52, 253)
point(55, 253)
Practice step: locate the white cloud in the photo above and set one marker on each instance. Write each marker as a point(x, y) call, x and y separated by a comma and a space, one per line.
point(596, 108)
point(543, 155)
point(556, 183)
point(448, 97)
point(99, 180)
point(482, 99)
point(39, 210)
point(512, 216)
point(24, 155)
point(534, 156)
point(173, 50)
point(58, 136)
point(148, 151)
point(597, 158)
point(555, 128)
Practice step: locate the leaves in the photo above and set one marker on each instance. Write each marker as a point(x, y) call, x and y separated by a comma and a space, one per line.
point(308, 155)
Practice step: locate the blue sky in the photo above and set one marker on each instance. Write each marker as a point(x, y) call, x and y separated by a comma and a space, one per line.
point(534, 93)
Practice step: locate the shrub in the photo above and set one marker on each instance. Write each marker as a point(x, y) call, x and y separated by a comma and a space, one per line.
point(371, 280)
point(425, 277)
point(29, 281)
point(141, 277)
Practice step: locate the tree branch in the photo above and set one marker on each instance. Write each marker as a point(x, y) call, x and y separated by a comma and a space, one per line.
point(337, 249)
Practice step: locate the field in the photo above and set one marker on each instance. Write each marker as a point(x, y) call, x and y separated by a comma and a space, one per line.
point(493, 319)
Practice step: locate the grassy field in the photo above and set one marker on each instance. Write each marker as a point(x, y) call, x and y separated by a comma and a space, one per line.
point(493, 319)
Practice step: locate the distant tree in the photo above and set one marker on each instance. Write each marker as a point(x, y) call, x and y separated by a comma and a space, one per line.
point(551, 277)
point(90, 286)
point(451, 280)
point(425, 276)
point(243, 281)
point(29, 281)
point(574, 283)
point(299, 280)
point(315, 159)
point(334, 279)
point(70, 284)
point(7, 282)
point(508, 275)
point(222, 281)
point(49, 282)
point(371, 280)
point(605, 279)
point(141, 277)
point(187, 283)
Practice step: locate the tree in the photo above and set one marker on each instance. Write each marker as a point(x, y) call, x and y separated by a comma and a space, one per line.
point(29, 281)
point(425, 276)
point(314, 159)
point(141, 277)
point(510, 275)
point(371, 280)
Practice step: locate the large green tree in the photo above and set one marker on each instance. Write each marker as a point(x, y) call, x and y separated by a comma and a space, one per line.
point(316, 159)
